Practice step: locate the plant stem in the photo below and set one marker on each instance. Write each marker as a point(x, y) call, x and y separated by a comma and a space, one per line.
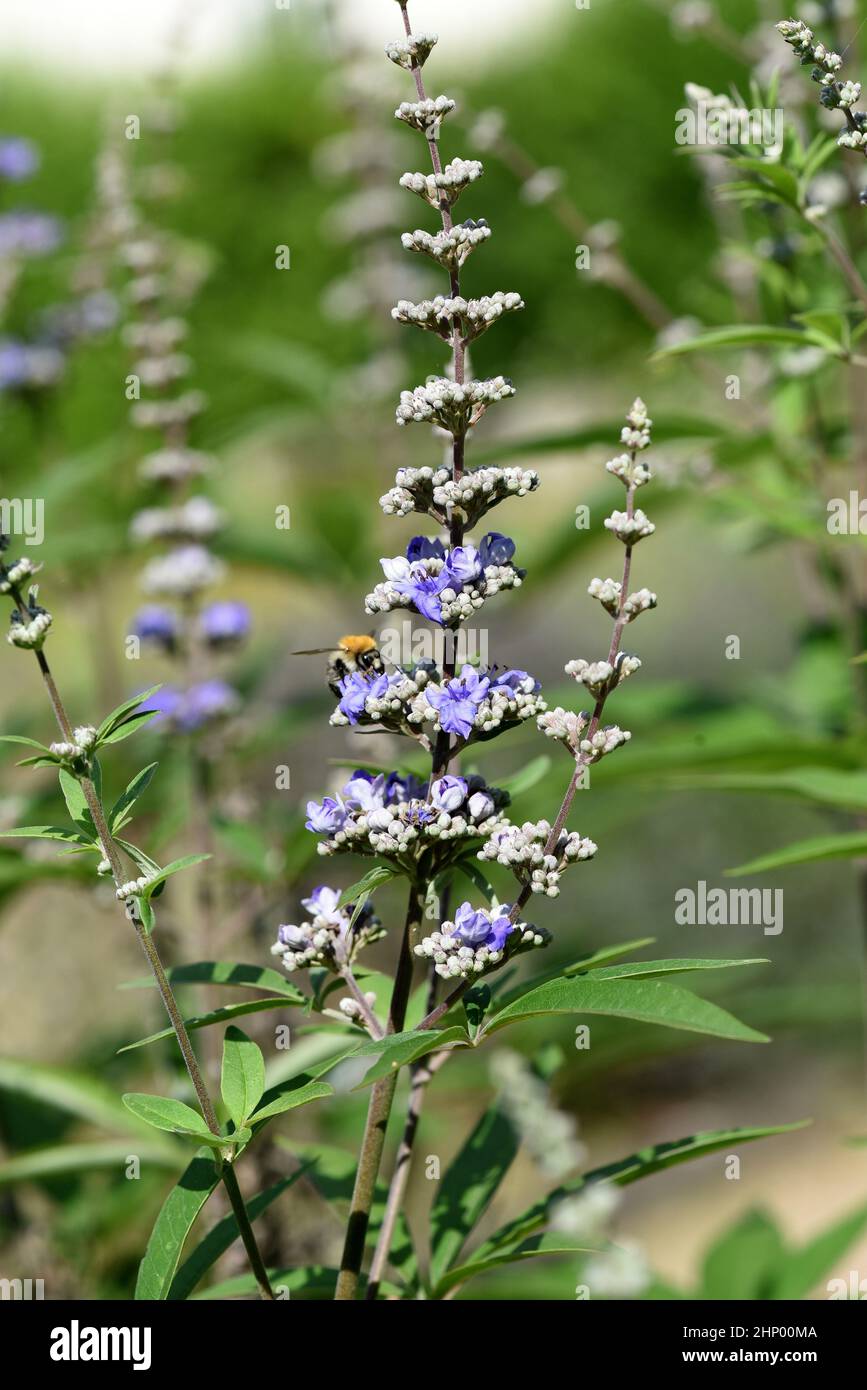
point(378, 1112)
point(372, 1023)
point(148, 945)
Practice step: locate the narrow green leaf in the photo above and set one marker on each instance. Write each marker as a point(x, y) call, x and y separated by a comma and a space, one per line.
point(59, 1160)
point(678, 965)
point(220, 1238)
point(290, 1097)
point(744, 1262)
point(648, 1001)
point(242, 1080)
point(163, 1112)
point(222, 1015)
point(528, 776)
point(549, 1243)
point(738, 335)
point(76, 803)
point(804, 1267)
point(28, 742)
point(47, 832)
point(399, 1049)
point(117, 715)
point(130, 796)
point(173, 1225)
point(468, 1187)
point(654, 1159)
point(75, 1093)
point(174, 868)
point(848, 846)
point(226, 972)
point(129, 726)
point(382, 873)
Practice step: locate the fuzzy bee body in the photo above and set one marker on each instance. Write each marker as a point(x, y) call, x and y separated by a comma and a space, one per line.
point(351, 654)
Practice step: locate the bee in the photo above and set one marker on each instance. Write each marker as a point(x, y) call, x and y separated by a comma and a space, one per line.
point(351, 654)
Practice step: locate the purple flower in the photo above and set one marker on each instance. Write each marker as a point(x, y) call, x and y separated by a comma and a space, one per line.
point(462, 566)
point(225, 622)
point(495, 549)
point(323, 903)
point(481, 805)
point(155, 624)
point(208, 700)
point(18, 158)
point(474, 928)
point(364, 791)
point(511, 678)
point(421, 548)
point(325, 818)
point(458, 700)
point(289, 935)
point(448, 793)
point(28, 365)
point(421, 588)
point(399, 789)
point(25, 233)
point(355, 690)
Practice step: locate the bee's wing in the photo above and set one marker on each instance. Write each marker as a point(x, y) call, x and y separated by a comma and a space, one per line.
point(313, 651)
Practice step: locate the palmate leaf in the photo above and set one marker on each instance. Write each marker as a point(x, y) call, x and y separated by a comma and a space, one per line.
point(644, 1164)
point(220, 1238)
point(646, 1000)
point(852, 845)
point(468, 1187)
point(242, 1080)
point(177, 1214)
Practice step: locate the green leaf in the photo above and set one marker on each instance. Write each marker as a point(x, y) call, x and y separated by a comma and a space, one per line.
point(221, 1015)
point(28, 742)
point(644, 1164)
point(73, 1092)
point(743, 335)
point(743, 1263)
point(59, 1160)
point(227, 972)
point(129, 726)
point(47, 832)
point(290, 1096)
point(174, 868)
point(533, 772)
point(468, 1187)
point(305, 1283)
point(163, 1112)
point(677, 965)
point(365, 886)
point(172, 1226)
point(648, 1001)
point(399, 1049)
point(111, 721)
point(117, 815)
point(549, 1243)
point(803, 1268)
point(826, 785)
point(220, 1238)
point(849, 846)
point(242, 1080)
point(76, 803)
point(472, 870)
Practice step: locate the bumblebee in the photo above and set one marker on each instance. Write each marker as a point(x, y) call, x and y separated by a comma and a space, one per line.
point(350, 655)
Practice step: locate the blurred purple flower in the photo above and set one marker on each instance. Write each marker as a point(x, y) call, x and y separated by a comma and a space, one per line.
point(25, 233)
point(19, 158)
point(208, 700)
point(225, 621)
point(155, 624)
